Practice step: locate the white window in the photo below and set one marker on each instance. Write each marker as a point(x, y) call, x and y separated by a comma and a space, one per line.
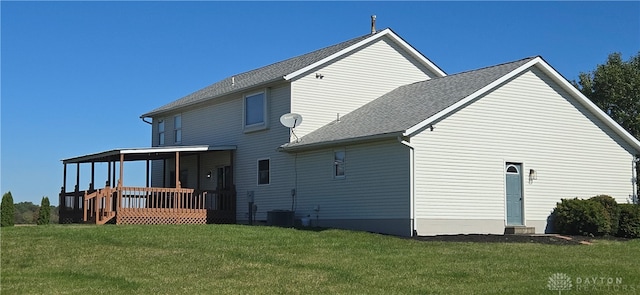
point(161, 132)
point(255, 111)
point(263, 172)
point(512, 169)
point(338, 164)
point(177, 128)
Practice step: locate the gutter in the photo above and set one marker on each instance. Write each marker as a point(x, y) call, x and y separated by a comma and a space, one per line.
point(323, 144)
point(171, 109)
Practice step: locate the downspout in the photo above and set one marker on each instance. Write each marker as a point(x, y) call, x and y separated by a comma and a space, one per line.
point(411, 184)
point(635, 168)
point(143, 120)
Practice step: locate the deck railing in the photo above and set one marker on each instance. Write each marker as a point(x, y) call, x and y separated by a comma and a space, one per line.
point(174, 199)
point(99, 205)
point(149, 205)
point(71, 204)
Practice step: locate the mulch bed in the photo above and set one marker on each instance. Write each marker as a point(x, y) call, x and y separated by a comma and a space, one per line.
point(540, 239)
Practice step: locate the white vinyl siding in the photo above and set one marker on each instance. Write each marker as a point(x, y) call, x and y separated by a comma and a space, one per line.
point(351, 82)
point(161, 132)
point(156, 173)
point(177, 129)
point(210, 162)
point(529, 119)
point(377, 186)
point(221, 123)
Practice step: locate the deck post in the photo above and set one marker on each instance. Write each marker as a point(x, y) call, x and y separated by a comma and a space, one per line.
point(84, 211)
point(177, 195)
point(120, 182)
point(76, 199)
point(61, 207)
point(147, 175)
point(113, 175)
point(64, 177)
point(93, 176)
point(78, 174)
point(97, 206)
point(62, 203)
point(108, 183)
point(147, 193)
point(177, 169)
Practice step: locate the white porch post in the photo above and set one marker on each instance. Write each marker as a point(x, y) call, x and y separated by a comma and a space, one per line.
point(120, 181)
point(177, 169)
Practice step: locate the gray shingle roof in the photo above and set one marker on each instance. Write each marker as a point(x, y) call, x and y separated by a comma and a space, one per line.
point(405, 106)
point(256, 77)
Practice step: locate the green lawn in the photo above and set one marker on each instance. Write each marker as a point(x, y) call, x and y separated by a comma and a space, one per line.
point(236, 259)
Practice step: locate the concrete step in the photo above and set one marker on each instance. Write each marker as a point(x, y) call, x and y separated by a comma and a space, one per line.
point(519, 230)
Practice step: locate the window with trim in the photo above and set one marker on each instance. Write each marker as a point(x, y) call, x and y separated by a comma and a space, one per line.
point(263, 171)
point(255, 111)
point(338, 164)
point(512, 169)
point(161, 132)
point(177, 128)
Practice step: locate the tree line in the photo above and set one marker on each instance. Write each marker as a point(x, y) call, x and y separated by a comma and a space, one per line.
point(26, 212)
point(615, 87)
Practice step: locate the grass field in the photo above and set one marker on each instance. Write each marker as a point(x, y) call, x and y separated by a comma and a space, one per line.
point(236, 259)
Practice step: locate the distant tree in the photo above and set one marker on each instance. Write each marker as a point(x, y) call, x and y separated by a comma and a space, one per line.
point(25, 217)
point(44, 214)
point(26, 213)
point(7, 210)
point(55, 218)
point(615, 88)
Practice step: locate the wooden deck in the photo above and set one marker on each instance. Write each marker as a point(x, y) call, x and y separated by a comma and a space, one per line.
point(148, 205)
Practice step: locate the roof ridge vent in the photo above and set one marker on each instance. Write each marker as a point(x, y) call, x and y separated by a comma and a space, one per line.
point(373, 24)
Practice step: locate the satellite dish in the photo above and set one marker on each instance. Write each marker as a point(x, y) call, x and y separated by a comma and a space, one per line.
point(291, 120)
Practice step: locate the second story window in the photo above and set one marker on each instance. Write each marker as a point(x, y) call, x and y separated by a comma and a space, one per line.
point(177, 128)
point(255, 111)
point(161, 132)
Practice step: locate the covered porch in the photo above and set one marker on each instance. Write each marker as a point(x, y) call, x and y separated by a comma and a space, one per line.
point(165, 199)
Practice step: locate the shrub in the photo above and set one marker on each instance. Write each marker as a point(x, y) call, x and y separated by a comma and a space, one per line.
point(611, 208)
point(629, 221)
point(7, 210)
point(44, 214)
point(581, 217)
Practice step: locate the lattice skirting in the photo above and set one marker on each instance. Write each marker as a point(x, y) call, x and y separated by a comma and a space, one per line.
point(161, 217)
point(67, 220)
point(221, 216)
point(66, 217)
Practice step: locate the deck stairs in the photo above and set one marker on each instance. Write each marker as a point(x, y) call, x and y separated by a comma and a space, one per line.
point(98, 206)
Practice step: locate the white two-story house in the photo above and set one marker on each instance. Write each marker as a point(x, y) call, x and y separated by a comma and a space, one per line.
point(388, 143)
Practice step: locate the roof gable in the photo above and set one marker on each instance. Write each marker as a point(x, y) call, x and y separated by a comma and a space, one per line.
point(409, 109)
point(406, 106)
point(287, 70)
point(599, 113)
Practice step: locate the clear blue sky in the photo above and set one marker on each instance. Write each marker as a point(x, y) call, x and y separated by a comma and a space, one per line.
point(76, 76)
